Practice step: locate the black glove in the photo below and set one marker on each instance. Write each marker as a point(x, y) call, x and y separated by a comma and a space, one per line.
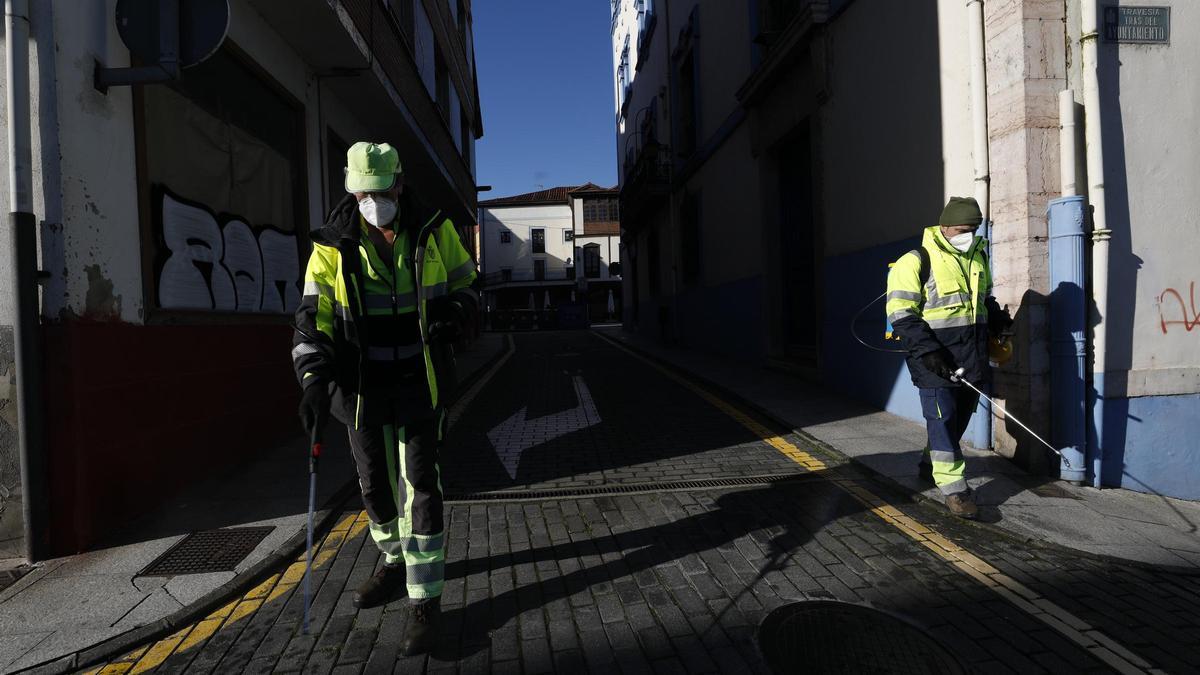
point(940, 363)
point(1000, 321)
point(343, 212)
point(314, 408)
point(446, 318)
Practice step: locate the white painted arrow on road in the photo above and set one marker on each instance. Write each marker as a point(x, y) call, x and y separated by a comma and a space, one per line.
point(517, 434)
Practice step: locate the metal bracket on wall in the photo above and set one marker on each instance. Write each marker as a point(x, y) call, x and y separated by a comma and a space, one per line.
point(165, 70)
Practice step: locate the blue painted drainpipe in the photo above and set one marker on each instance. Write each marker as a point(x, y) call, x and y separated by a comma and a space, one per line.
point(983, 417)
point(1068, 334)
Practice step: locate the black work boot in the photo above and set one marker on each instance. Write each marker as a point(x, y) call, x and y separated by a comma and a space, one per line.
point(422, 631)
point(380, 587)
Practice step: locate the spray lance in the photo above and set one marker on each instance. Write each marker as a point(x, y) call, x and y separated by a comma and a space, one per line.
point(958, 377)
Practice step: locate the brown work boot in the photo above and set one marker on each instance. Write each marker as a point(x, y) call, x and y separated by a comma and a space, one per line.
point(962, 504)
point(421, 633)
point(380, 587)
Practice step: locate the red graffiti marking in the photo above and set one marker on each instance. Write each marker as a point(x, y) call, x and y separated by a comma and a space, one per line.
point(1191, 317)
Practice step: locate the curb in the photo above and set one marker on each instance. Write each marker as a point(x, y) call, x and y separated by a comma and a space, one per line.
point(931, 505)
point(323, 520)
point(214, 599)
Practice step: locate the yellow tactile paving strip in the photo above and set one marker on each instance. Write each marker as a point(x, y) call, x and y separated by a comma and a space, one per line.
point(1024, 598)
point(145, 659)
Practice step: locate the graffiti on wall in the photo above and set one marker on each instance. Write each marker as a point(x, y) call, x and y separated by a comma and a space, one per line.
point(1171, 301)
point(224, 267)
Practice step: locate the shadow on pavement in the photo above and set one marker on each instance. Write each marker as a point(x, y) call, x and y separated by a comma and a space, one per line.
point(812, 503)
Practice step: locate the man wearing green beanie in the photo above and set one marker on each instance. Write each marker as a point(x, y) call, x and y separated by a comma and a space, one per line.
point(939, 303)
point(389, 288)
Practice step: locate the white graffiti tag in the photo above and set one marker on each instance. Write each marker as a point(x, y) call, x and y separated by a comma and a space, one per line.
point(227, 269)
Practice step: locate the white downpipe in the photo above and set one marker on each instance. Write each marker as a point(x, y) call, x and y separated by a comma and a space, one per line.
point(983, 178)
point(1066, 143)
point(979, 111)
point(20, 148)
point(1100, 233)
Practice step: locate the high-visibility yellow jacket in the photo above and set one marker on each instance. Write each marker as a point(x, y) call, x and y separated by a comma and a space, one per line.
point(949, 308)
point(346, 285)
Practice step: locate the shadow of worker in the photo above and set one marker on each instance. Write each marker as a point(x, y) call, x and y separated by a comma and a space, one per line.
point(1045, 386)
point(757, 530)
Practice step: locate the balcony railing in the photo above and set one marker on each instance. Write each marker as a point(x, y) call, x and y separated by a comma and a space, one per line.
point(528, 275)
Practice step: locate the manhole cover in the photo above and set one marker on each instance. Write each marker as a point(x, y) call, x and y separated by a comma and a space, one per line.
point(207, 551)
point(837, 637)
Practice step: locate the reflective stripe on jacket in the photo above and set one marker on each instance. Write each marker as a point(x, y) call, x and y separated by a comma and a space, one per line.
point(948, 309)
point(342, 285)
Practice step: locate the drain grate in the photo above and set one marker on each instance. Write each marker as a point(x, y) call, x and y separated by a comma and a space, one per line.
point(207, 551)
point(825, 636)
point(630, 488)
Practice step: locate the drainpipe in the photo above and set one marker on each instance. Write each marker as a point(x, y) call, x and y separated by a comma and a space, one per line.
point(979, 124)
point(26, 313)
point(1100, 232)
point(1067, 153)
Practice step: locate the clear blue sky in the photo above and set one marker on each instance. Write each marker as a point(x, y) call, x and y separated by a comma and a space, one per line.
point(545, 85)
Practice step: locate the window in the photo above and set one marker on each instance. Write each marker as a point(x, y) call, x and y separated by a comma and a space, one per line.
point(646, 22)
point(402, 10)
point(505, 237)
point(538, 237)
point(568, 235)
point(539, 270)
point(591, 261)
point(624, 79)
point(223, 190)
point(506, 274)
point(686, 91)
point(442, 94)
point(465, 131)
point(601, 210)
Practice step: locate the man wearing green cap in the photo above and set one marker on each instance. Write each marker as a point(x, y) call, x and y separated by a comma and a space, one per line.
point(389, 288)
point(939, 303)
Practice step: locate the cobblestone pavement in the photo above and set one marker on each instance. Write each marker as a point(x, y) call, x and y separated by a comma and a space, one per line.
point(644, 579)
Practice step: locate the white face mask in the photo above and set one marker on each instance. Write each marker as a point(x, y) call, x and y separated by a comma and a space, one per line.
point(378, 211)
point(962, 241)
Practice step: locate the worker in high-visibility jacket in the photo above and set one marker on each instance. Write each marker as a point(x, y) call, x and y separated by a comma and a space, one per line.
point(388, 289)
point(939, 303)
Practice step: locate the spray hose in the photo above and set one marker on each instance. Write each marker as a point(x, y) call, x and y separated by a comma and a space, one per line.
point(854, 329)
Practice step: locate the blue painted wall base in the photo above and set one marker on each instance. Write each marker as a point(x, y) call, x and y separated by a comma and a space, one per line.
point(1151, 445)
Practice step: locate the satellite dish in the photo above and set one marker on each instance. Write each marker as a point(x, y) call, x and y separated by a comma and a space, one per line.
point(203, 25)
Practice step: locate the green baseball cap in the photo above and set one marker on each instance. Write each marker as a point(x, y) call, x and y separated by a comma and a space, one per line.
point(371, 167)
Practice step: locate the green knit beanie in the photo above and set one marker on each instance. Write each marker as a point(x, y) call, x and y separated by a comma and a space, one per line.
point(961, 211)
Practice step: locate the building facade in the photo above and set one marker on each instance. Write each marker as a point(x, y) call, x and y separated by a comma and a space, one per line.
point(546, 249)
point(775, 156)
point(174, 226)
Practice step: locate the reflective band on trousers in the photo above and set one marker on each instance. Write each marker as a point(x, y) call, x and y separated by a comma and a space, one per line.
point(393, 354)
point(426, 573)
point(418, 544)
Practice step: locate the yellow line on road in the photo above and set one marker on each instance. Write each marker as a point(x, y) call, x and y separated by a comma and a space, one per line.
point(1066, 624)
